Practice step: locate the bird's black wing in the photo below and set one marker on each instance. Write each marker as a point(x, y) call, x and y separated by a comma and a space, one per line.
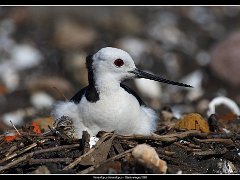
point(78, 96)
point(130, 91)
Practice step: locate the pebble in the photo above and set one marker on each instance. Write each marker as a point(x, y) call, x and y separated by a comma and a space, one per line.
point(41, 100)
point(148, 156)
point(225, 58)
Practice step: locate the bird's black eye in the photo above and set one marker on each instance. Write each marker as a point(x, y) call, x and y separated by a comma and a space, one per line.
point(119, 62)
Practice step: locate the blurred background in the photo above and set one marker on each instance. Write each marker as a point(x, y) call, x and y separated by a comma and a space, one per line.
point(43, 50)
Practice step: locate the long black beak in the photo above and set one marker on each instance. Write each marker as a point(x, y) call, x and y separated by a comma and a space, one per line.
point(142, 74)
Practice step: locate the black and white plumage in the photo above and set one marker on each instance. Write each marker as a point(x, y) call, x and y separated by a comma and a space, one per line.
point(106, 104)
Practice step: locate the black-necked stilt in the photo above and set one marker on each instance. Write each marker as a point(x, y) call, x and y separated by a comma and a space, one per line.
point(106, 104)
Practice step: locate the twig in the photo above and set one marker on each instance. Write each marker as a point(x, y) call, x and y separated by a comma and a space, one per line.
point(182, 146)
point(111, 152)
point(169, 153)
point(11, 150)
point(17, 161)
point(117, 145)
point(217, 140)
point(210, 152)
point(85, 171)
point(194, 146)
point(85, 141)
point(119, 155)
point(54, 160)
point(22, 151)
point(78, 160)
point(29, 155)
point(164, 138)
point(15, 128)
point(58, 148)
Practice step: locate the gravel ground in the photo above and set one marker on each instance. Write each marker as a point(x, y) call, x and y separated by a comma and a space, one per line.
point(43, 51)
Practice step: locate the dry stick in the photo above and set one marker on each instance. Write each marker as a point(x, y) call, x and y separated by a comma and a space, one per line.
point(78, 160)
point(194, 146)
point(60, 93)
point(183, 146)
point(217, 140)
point(29, 155)
point(11, 150)
point(85, 171)
point(210, 152)
point(111, 152)
point(54, 160)
point(169, 153)
point(86, 140)
point(17, 161)
point(165, 138)
point(22, 151)
point(117, 145)
point(58, 148)
point(15, 128)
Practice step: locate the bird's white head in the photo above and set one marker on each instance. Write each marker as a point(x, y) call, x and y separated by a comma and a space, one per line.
point(111, 65)
point(113, 62)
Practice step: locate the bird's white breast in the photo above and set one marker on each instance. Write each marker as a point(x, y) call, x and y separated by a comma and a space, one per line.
point(118, 111)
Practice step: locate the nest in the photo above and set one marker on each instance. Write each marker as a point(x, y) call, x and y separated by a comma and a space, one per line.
point(57, 152)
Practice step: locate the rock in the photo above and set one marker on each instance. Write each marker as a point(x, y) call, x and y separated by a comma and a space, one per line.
point(70, 34)
point(225, 58)
point(193, 121)
point(147, 155)
point(41, 170)
point(41, 100)
point(25, 56)
point(223, 167)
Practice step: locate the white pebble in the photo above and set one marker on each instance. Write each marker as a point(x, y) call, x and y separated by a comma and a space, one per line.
point(25, 56)
point(10, 78)
point(93, 141)
point(41, 100)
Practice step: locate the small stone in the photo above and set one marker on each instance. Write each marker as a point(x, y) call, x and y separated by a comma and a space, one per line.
point(41, 170)
point(70, 34)
point(41, 100)
point(147, 155)
point(193, 121)
point(225, 59)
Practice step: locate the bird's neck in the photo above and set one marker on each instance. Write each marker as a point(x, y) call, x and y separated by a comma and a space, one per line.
point(106, 83)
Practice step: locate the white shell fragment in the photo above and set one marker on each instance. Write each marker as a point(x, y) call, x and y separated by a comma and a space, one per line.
point(93, 141)
point(226, 167)
point(222, 101)
point(148, 156)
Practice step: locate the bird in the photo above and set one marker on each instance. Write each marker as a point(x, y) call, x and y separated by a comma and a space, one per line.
point(106, 104)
